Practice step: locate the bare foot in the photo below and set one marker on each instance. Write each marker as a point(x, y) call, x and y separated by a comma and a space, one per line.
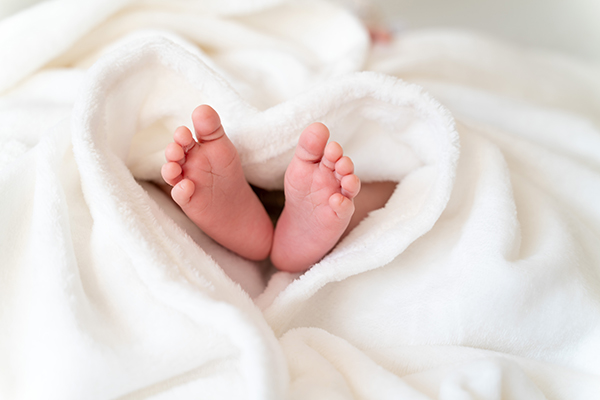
point(210, 187)
point(319, 187)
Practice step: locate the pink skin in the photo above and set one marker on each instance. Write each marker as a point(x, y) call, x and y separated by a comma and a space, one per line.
point(210, 187)
point(320, 186)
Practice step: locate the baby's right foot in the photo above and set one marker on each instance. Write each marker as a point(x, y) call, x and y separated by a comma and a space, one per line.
point(210, 187)
point(320, 186)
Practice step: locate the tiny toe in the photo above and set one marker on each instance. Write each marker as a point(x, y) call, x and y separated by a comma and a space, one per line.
point(171, 173)
point(341, 205)
point(333, 152)
point(174, 153)
point(182, 192)
point(344, 166)
point(183, 137)
point(350, 185)
point(312, 141)
point(207, 123)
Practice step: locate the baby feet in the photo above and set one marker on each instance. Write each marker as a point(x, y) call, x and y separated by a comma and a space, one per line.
point(320, 186)
point(210, 187)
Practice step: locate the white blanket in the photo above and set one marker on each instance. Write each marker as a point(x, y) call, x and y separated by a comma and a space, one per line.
point(480, 279)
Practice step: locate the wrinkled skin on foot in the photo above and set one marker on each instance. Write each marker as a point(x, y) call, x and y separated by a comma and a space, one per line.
point(320, 186)
point(210, 187)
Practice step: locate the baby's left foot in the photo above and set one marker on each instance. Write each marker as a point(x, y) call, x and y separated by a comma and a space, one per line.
point(320, 186)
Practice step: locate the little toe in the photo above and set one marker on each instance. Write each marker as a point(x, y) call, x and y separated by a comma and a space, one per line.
point(182, 192)
point(341, 205)
point(312, 141)
point(207, 123)
point(171, 173)
point(184, 138)
point(350, 186)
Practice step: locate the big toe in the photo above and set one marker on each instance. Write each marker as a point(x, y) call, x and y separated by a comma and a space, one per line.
point(207, 123)
point(312, 142)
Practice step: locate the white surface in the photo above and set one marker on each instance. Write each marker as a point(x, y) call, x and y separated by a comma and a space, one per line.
point(479, 279)
point(568, 26)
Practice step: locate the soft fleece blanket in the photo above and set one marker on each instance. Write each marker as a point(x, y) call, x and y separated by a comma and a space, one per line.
point(480, 279)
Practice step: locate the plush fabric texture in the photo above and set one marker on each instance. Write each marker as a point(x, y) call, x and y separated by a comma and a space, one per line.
point(480, 278)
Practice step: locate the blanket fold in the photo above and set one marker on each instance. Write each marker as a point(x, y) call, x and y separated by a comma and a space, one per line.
point(480, 278)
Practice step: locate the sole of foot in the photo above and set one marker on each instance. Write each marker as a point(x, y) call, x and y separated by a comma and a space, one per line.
point(209, 185)
point(320, 186)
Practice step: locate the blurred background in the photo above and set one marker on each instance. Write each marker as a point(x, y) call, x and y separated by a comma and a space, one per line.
point(567, 26)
